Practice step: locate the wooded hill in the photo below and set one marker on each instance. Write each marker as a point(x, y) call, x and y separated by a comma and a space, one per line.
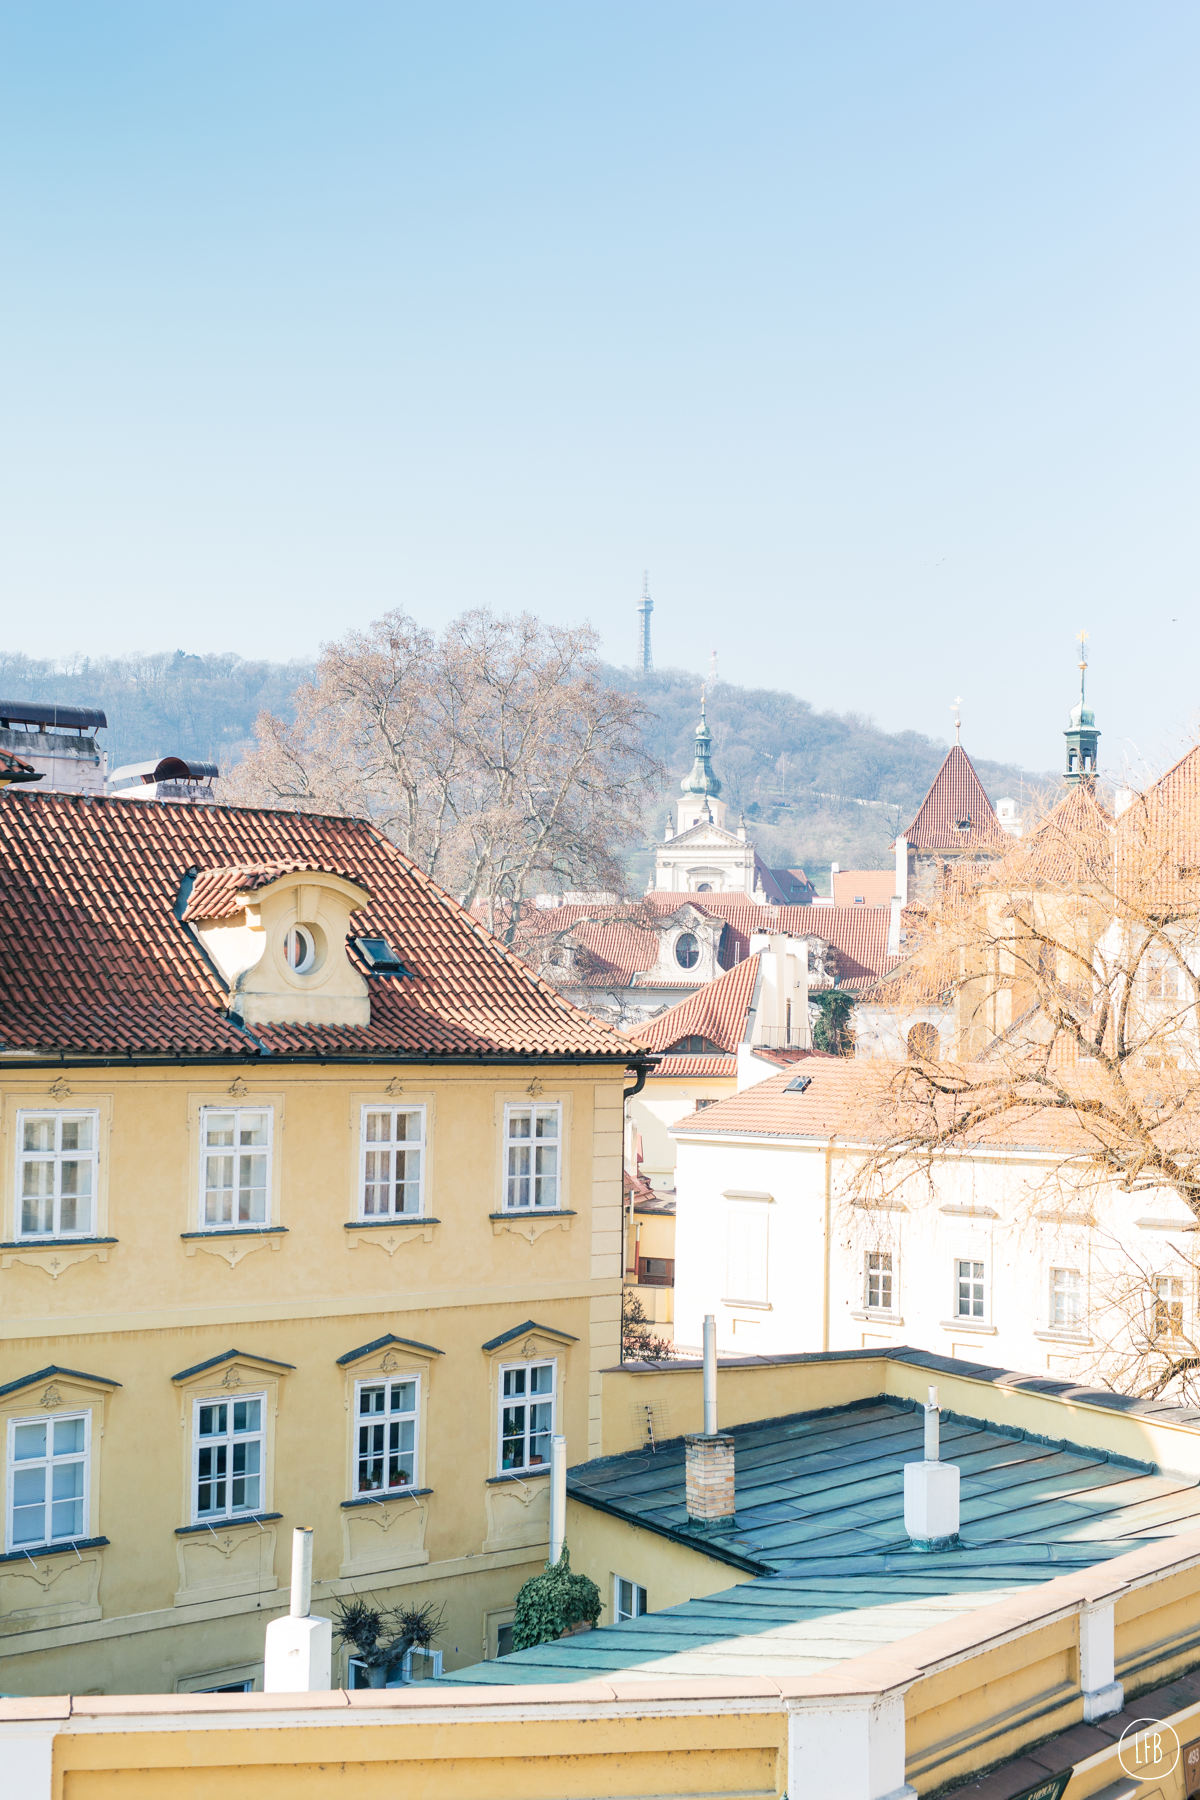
point(816, 786)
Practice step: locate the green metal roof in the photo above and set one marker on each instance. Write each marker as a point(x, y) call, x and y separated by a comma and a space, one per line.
point(819, 1531)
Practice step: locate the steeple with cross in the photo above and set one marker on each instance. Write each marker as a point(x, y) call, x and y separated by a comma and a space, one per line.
point(1083, 739)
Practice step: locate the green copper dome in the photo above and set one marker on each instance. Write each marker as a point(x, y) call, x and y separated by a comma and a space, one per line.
point(702, 780)
point(1082, 718)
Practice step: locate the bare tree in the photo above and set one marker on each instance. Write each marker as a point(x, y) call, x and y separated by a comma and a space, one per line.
point(1069, 975)
point(494, 754)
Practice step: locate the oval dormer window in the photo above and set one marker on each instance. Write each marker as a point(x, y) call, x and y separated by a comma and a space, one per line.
point(300, 950)
point(687, 950)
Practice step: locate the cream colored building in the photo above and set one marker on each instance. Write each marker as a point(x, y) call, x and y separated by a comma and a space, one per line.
point(311, 1215)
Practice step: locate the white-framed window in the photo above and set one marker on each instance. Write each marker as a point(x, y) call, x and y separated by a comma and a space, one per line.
point(1066, 1298)
point(878, 1281)
point(1169, 1315)
point(527, 1395)
point(299, 950)
point(970, 1290)
point(56, 1177)
point(227, 1456)
point(532, 1148)
point(385, 1448)
point(393, 1162)
point(747, 1253)
point(1162, 974)
point(47, 1480)
point(629, 1600)
point(235, 1166)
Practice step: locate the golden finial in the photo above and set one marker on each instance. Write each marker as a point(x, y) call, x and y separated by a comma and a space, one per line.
point(956, 708)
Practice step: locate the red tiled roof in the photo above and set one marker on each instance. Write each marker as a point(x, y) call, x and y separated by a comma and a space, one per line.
point(95, 962)
point(716, 1011)
point(861, 1101)
point(957, 793)
point(692, 1068)
point(624, 950)
point(215, 892)
point(876, 886)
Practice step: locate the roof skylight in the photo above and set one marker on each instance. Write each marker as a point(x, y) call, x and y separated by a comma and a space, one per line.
point(379, 956)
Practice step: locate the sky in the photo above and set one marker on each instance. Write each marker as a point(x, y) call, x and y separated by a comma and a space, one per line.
point(869, 329)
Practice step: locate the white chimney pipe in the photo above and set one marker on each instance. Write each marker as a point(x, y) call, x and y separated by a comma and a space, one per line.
point(558, 1496)
point(931, 1499)
point(301, 1572)
point(298, 1657)
point(893, 943)
point(710, 1375)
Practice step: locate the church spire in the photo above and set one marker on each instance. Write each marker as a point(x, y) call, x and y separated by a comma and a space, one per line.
point(702, 780)
point(1082, 737)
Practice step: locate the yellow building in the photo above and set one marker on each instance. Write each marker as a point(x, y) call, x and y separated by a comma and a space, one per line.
point(311, 1215)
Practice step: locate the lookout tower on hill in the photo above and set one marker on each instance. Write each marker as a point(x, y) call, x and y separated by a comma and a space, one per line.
point(645, 661)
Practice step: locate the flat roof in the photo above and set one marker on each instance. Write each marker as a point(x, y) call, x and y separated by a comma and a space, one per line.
point(819, 1531)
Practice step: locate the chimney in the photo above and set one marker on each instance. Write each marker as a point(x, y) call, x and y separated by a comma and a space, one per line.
point(834, 872)
point(931, 1511)
point(893, 943)
point(299, 1649)
point(710, 1496)
point(709, 1480)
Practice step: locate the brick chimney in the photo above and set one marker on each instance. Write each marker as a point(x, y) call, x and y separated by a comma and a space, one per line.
point(709, 1478)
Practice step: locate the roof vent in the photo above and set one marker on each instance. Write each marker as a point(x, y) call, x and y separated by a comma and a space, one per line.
point(964, 824)
point(379, 956)
point(798, 1085)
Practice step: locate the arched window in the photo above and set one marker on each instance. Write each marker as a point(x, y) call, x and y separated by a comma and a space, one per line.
point(924, 1044)
point(687, 950)
point(705, 887)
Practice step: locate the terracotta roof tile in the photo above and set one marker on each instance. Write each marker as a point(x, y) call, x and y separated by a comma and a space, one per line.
point(695, 1067)
point(716, 1011)
point(215, 892)
point(94, 961)
point(876, 886)
point(956, 794)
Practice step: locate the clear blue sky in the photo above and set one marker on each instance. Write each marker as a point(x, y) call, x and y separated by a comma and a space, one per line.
point(870, 329)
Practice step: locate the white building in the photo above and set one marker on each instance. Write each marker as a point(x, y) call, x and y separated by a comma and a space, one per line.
point(984, 1257)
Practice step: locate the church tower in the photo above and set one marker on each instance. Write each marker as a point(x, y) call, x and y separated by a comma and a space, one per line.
point(700, 802)
point(1083, 739)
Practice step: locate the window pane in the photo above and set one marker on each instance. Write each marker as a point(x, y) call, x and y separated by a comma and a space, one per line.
point(29, 1486)
point(379, 1128)
point(39, 1134)
point(253, 1128)
point(247, 1415)
point(370, 1399)
point(68, 1436)
point(77, 1134)
point(519, 1124)
point(29, 1440)
point(541, 1378)
point(220, 1128)
point(514, 1380)
point(404, 1396)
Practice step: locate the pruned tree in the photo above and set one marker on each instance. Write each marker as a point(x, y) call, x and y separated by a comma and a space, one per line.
point(494, 754)
point(379, 1636)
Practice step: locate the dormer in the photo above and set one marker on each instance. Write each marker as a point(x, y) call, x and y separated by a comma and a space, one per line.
point(278, 934)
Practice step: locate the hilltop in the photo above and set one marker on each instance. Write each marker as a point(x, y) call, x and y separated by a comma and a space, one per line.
point(815, 786)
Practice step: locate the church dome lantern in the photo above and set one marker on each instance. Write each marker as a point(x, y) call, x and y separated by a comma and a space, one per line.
point(702, 780)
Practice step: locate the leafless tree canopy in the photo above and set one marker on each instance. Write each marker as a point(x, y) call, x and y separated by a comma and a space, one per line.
point(1068, 981)
point(494, 755)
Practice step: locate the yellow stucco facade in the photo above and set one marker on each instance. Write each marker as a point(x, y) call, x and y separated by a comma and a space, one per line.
point(124, 1338)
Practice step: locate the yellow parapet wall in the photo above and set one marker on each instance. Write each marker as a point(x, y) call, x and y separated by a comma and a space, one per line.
point(670, 1402)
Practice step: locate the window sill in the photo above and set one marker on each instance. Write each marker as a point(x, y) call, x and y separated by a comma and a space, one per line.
point(754, 1305)
point(237, 1231)
point(410, 1493)
point(1064, 1337)
point(54, 1243)
point(389, 1224)
point(969, 1212)
point(535, 1212)
point(36, 1550)
point(224, 1524)
point(518, 1475)
point(968, 1325)
point(873, 1316)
